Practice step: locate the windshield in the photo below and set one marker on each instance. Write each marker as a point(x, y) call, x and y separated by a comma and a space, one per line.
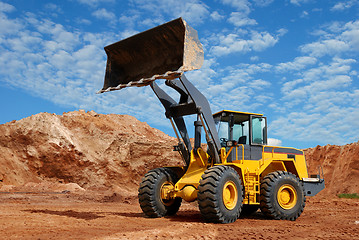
point(240, 131)
point(245, 128)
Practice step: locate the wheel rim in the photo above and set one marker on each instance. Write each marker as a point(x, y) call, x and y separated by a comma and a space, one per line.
point(230, 195)
point(287, 196)
point(164, 187)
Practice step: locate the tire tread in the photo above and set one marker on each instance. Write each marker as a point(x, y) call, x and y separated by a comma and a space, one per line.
point(267, 190)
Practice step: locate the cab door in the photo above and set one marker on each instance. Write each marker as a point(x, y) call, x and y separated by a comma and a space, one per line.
point(258, 136)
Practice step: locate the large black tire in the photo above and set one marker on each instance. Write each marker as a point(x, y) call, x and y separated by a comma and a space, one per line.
point(220, 195)
point(149, 193)
point(282, 196)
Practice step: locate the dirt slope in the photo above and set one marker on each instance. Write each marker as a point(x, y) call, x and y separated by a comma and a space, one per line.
point(89, 149)
point(340, 166)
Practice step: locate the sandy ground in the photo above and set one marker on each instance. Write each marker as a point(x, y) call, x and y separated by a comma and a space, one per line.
point(96, 216)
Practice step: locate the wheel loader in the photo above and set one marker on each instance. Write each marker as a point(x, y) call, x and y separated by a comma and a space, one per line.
point(238, 173)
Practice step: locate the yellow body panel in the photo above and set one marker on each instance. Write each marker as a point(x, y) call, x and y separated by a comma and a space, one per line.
point(250, 171)
point(253, 171)
point(187, 186)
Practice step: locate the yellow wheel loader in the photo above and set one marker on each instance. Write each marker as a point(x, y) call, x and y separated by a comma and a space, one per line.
point(238, 173)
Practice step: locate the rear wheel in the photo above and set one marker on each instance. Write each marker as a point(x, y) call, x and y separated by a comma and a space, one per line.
point(149, 193)
point(282, 196)
point(220, 195)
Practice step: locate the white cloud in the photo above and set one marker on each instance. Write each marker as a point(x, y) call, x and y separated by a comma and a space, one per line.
point(289, 86)
point(343, 5)
point(130, 20)
point(5, 7)
point(281, 32)
point(318, 79)
point(274, 142)
point(299, 63)
point(335, 126)
point(241, 5)
point(259, 84)
point(337, 66)
point(104, 14)
point(254, 58)
point(193, 11)
point(325, 47)
point(336, 39)
point(299, 2)
point(236, 87)
point(216, 16)
point(94, 3)
point(203, 77)
point(263, 3)
point(304, 14)
point(351, 35)
point(321, 102)
point(233, 43)
point(239, 20)
point(53, 7)
point(83, 21)
point(263, 40)
point(8, 26)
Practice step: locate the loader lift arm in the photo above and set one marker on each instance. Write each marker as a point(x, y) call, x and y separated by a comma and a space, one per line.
point(166, 52)
point(192, 101)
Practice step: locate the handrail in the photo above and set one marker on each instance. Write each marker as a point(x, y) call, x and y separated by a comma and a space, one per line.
point(230, 150)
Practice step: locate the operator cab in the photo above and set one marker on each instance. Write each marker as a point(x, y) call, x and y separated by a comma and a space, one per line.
point(241, 128)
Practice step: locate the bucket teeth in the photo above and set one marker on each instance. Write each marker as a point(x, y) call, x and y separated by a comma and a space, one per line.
point(163, 52)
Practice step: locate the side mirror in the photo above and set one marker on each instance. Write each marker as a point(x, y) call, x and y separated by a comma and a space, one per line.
point(232, 143)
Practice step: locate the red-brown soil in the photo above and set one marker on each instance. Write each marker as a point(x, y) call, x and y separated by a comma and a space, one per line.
point(75, 176)
point(88, 150)
point(71, 216)
point(340, 166)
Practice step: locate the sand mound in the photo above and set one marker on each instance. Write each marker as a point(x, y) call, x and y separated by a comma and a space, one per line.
point(340, 166)
point(92, 150)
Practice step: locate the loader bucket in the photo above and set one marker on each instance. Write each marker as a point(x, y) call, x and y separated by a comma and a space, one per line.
point(163, 52)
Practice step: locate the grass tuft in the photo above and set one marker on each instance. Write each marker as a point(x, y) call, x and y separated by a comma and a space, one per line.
point(348, 195)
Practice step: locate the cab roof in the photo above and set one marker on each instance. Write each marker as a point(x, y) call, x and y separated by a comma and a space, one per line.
point(235, 112)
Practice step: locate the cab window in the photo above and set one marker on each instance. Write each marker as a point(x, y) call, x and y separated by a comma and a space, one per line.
point(258, 130)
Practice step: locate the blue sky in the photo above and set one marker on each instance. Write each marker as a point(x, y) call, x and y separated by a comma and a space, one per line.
point(295, 61)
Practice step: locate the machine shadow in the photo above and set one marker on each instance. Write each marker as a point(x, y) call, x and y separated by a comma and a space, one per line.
point(128, 214)
point(189, 216)
point(181, 216)
point(195, 216)
point(186, 216)
point(68, 213)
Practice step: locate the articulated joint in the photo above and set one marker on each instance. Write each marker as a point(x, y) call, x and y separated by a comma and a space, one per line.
point(188, 193)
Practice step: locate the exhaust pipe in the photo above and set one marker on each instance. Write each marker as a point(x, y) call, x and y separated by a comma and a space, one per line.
point(163, 52)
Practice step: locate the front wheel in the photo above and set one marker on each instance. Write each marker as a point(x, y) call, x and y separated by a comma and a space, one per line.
point(149, 193)
point(220, 195)
point(282, 196)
